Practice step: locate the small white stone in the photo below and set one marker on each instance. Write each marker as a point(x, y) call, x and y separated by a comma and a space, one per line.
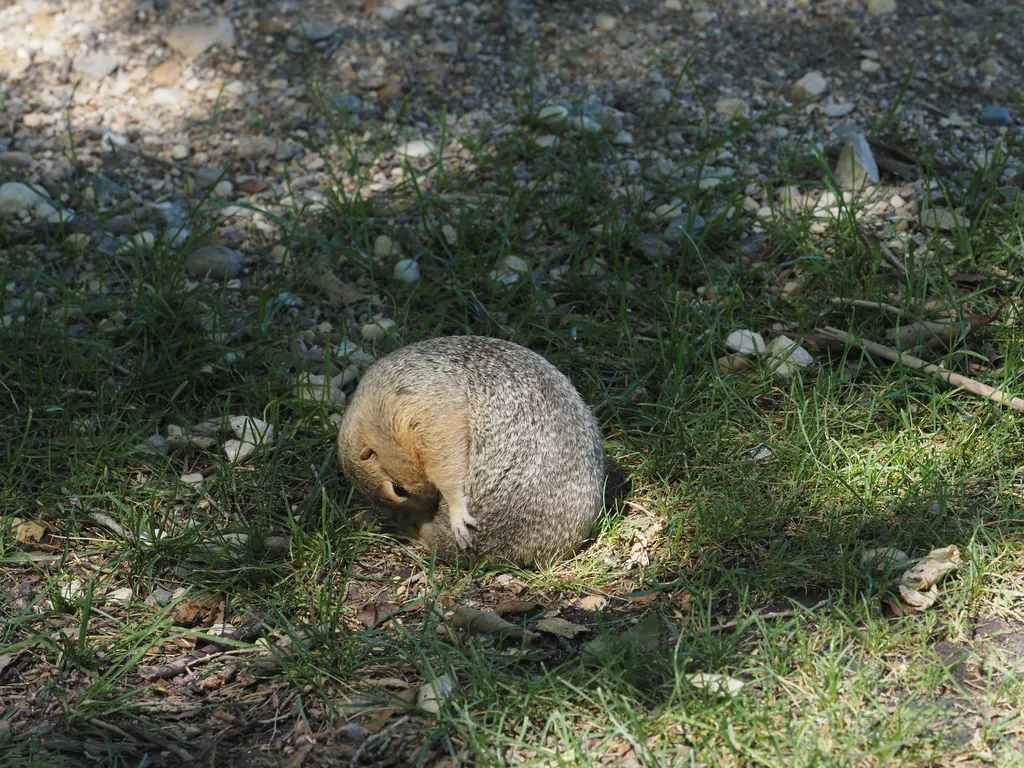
point(16, 197)
point(547, 141)
point(72, 589)
point(236, 450)
point(584, 124)
point(351, 373)
point(788, 194)
point(416, 149)
point(869, 66)
point(745, 342)
point(510, 270)
point(318, 389)
point(942, 219)
point(605, 22)
point(709, 182)
point(856, 165)
point(252, 430)
point(623, 138)
point(407, 271)
point(881, 7)
point(122, 595)
point(809, 86)
point(195, 479)
point(732, 109)
point(883, 557)
point(377, 330)
point(384, 247)
point(553, 114)
point(450, 235)
point(838, 110)
point(784, 348)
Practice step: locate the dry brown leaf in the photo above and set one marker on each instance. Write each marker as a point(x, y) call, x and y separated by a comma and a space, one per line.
point(932, 568)
point(716, 683)
point(516, 606)
point(253, 187)
point(917, 600)
point(375, 614)
point(487, 623)
point(732, 363)
point(219, 678)
point(6, 660)
point(561, 628)
point(199, 613)
point(592, 602)
point(650, 597)
point(27, 530)
point(338, 291)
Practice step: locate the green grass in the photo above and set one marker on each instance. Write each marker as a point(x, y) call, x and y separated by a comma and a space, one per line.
point(861, 456)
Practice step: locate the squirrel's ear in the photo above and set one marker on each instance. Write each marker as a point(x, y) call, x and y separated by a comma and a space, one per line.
point(366, 453)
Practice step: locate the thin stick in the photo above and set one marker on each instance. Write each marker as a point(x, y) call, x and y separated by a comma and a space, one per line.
point(865, 304)
point(953, 379)
point(895, 260)
point(786, 614)
point(107, 522)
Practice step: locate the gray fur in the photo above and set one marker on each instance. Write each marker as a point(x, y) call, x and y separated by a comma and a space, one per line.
point(536, 465)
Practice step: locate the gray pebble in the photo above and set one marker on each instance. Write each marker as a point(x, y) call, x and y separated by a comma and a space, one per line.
point(317, 30)
point(95, 66)
point(216, 261)
point(993, 115)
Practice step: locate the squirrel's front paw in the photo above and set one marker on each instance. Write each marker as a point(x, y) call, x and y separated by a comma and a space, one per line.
point(460, 527)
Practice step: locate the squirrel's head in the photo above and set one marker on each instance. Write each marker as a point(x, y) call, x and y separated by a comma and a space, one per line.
point(385, 472)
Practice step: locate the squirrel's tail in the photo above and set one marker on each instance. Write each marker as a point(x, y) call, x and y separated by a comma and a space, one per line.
point(617, 486)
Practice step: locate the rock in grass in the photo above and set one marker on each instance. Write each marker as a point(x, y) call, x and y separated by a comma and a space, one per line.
point(881, 7)
point(216, 261)
point(153, 446)
point(194, 37)
point(808, 87)
point(252, 430)
point(319, 389)
point(509, 271)
point(407, 271)
point(732, 109)
point(94, 66)
point(237, 450)
point(745, 342)
point(384, 247)
point(377, 330)
point(16, 197)
point(856, 166)
point(997, 116)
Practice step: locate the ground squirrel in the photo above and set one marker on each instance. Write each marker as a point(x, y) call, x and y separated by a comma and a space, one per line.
point(479, 445)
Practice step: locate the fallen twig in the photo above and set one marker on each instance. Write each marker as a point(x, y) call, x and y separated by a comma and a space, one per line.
point(785, 614)
point(865, 304)
point(894, 260)
point(139, 735)
point(379, 736)
point(953, 379)
point(107, 522)
point(246, 633)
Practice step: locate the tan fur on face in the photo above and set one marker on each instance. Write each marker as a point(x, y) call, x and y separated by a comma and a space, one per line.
point(392, 438)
